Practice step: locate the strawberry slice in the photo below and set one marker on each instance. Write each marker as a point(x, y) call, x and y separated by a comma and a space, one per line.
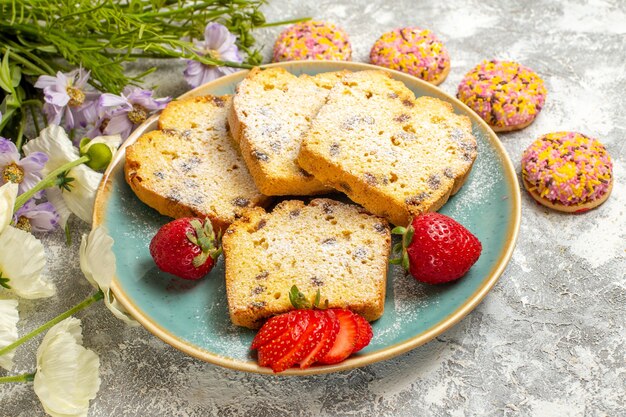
point(364, 333)
point(305, 344)
point(273, 351)
point(345, 340)
point(331, 328)
point(273, 328)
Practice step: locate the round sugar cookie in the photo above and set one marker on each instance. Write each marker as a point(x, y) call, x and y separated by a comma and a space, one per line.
point(415, 51)
point(567, 171)
point(507, 95)
point(312, 40)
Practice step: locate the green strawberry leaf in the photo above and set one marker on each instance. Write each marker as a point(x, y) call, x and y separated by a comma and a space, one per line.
point(298, 300)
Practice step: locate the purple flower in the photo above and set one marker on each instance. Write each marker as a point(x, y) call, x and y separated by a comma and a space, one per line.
point(66, 95)
point(124, 112)
point(36, 217)
point(25, 172)
point(218, 44)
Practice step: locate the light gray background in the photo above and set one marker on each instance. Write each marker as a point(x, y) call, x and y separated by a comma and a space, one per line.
point(549, 340)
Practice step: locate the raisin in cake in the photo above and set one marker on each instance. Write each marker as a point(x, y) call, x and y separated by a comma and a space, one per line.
point(190, 167)
point(271, 111)
point(396, 155)
point(327, 245)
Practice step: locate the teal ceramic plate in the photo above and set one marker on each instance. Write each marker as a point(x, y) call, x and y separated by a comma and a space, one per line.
point(193, 316)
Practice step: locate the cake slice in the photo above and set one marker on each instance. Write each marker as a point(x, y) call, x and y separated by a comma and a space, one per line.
point(190, 167)
point(396, 155)
point(327, 245)
point(271, 111)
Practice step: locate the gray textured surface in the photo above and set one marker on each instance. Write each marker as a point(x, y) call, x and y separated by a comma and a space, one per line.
point(549, 340)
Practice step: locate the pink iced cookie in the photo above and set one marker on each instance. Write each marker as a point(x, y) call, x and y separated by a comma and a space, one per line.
point(567, 171)
point(312, 40)
point(507, 95)
point(415, 51)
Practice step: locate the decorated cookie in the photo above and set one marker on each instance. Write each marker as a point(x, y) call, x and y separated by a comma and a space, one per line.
point(415, 51)
point(312, 40)
point(567, 171)
point(507, 95)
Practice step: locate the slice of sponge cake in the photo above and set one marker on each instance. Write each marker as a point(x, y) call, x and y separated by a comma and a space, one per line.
point(396, 155)
point(327, 245)
point(271, 111)
point(190, 167)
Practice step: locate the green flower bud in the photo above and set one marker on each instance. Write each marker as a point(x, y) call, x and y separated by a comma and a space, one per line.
point(248, 40)
point(100, 150)
point(258, 18)
point(255, 58)
point(99, 156)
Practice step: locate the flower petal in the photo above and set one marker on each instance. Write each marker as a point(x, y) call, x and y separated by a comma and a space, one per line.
point(112, 100)
point(8, 330)
point(8, 193)
point(232, 54)
point(81, 198)
point(55, 196)
point(216, 35)
point(117, 309)
point(46, 81)
point(119, 125)
point(53, 113)
point(42, 217)
point(54, 142)
point(68, 375)
point(197, 74)
point(97, 260)
point(9, 151)
point(24, 267)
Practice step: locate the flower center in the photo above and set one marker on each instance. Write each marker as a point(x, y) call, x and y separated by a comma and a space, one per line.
point(214, 54)
point(23, 223)
point(77, 97)
point(138, 114)
point(13, 173)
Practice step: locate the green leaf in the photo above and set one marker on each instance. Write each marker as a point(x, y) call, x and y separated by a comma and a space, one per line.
point(398, 230)
point(5, 74)
point(4, 282)
point(51, 49)
point(64, 182)
point(405, 262)
point(395, 261)
point(199, 260)
point(408, 236)
point(318, 296)
point(298, 300)
point(16, 76)
point(397, 248)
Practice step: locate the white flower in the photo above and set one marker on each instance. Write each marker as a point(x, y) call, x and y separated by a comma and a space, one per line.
point(8, 330)
point(54, 142)
point(8, 193)
point(68, 375)
point(22, 256)
point(97, 261)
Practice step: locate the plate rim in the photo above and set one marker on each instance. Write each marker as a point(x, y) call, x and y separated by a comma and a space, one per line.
point(359, 360)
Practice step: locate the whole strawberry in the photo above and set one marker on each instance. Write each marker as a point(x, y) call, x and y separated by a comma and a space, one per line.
point(186, 248)
point(436, 249)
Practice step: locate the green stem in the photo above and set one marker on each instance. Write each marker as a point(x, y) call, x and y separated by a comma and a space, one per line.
point(20, 131)
point(47, 182)
point(284, 22)
point(35, 119)
point(17, 378)
point(6, 117)
point(85, 303)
